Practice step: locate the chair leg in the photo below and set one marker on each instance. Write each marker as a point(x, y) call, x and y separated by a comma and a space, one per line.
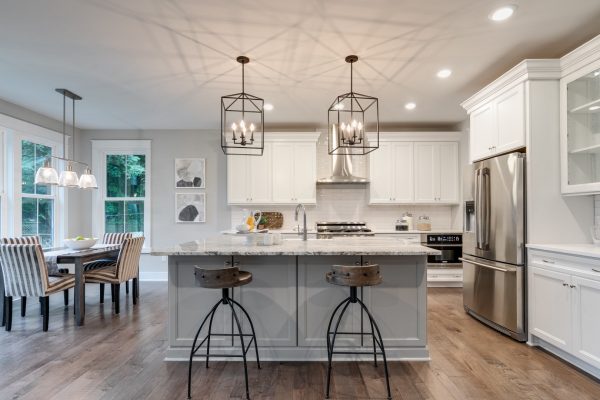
point(3, 309)
point(41, 306)
point(23, 305)
point(112, 292)
point(241, 337)
point(126, 287)
point(66, 297)
point(251, 327)
point(135, 288)
point(117, 291)
point(8, 312)
point(101, 293)
point(330, 345)
point(46, 305)
point(380, 344)
point(193, 349)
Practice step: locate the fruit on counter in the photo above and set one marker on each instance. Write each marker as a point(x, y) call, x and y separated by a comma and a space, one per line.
point(79, 238)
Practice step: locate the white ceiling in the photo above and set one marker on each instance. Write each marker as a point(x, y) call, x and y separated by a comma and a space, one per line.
point(143, 64)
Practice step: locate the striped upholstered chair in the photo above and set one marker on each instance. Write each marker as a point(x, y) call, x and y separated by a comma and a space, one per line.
point(124, 269)
point(53, 272)
point(25, 274)
point(109, 238)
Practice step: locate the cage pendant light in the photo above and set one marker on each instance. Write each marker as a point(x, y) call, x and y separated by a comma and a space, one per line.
point(350, 117)
point(242, 121)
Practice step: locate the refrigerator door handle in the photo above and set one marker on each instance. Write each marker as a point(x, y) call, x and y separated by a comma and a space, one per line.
point(487, 266)
point(485, 196)
point(478, 207)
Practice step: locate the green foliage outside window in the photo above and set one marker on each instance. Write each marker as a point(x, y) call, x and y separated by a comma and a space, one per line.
point(125, 178)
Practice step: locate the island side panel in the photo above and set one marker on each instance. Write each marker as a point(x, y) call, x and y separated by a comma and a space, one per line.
point(270, 299)
point(399, 303)
point(189, 304)
point(317, 300)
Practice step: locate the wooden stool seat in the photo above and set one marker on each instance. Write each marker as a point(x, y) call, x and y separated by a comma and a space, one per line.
point(354, 275)
point(222, 277)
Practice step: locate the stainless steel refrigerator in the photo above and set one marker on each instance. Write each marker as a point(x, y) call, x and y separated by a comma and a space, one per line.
point(494, 244)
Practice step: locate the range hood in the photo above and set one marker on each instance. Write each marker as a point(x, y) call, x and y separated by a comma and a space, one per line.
point(342, 170)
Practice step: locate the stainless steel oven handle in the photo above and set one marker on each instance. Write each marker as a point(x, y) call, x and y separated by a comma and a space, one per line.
point(486, 266)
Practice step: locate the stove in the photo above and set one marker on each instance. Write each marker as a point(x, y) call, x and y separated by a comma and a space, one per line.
point(327, 230)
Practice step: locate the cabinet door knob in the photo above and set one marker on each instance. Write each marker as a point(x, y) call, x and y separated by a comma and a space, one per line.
point(572, 286)
point(565, 284)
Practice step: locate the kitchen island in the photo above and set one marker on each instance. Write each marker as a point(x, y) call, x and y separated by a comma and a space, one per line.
point(289, 300)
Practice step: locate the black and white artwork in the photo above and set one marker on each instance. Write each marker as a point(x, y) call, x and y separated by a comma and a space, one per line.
point(190, 173)
point(190, 207)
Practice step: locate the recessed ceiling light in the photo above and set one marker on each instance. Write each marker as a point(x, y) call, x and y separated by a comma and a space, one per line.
point(594, 108)
point(268, 106)
point(444, 73)
point(503, 13)
point(410, 106)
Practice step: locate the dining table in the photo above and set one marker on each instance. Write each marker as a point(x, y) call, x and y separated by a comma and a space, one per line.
point(78, 258)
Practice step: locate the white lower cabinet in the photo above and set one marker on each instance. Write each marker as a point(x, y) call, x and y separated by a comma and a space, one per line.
point(550, 298)
point(564, 304)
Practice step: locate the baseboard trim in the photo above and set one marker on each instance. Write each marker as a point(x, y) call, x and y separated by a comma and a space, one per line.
point(158, 276)
point(566, 357)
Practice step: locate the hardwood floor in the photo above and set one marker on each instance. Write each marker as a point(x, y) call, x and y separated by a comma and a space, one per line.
point(121, 357)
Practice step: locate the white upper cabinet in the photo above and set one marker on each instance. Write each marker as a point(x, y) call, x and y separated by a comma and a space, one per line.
point(510, 117)
point(408, 172)
point(498, 124)
point(580, 130)
point(284, 174)
point(436, 172)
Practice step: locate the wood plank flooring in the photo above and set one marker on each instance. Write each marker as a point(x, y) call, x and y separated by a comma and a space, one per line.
point(121, 357)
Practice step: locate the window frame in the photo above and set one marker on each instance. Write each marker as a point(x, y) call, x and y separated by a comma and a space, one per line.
point(103, 148)
point(15, 131)
point(3, 177)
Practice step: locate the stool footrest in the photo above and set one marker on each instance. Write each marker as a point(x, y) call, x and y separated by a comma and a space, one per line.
point(368, 353)
point(225, 334)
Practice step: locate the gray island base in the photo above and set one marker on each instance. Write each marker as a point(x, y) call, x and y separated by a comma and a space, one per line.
point(290, 302)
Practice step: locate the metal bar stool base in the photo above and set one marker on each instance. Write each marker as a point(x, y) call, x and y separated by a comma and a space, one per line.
point(375, 335)
point(225, 300)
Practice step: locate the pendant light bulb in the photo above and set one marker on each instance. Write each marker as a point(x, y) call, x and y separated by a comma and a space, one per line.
point(46, 175)
point(68, 177)
point(87, 180)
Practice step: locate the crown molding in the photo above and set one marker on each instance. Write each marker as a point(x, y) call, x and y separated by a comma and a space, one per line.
point(530, 69)
point(581, 56)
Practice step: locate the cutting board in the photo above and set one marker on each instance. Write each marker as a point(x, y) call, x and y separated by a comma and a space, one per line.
point(274, 219)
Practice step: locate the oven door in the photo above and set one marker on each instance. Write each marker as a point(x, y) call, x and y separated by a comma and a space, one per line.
point(450, 257)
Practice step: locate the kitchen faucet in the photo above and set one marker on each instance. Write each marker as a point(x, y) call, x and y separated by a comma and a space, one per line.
point(305, 232)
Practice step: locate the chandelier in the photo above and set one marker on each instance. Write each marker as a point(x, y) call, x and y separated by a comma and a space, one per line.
point(348, 118)
point(47, 175)
point(242, 121)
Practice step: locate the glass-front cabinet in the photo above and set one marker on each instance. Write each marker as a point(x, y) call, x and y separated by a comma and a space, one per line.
point(580, 130)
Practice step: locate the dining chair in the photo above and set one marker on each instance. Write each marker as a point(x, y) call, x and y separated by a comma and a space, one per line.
point(109, 238)
point(123, 269)
point(55, 272)
point(25, 274)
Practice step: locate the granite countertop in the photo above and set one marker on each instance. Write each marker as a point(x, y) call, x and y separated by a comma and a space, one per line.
point(231, 245)
point(583, 249)
point(375, 231)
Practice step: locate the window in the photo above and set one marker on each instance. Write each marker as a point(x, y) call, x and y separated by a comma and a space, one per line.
point(125, 193)
point(123, 197)
point(3, 230)
point(37, 201)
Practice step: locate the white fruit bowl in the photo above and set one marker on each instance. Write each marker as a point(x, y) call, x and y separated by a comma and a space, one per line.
point(80, 244)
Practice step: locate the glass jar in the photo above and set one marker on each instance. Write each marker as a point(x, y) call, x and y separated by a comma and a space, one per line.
point(424, 223)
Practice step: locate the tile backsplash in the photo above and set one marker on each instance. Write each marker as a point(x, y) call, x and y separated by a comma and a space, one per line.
point(351, 203)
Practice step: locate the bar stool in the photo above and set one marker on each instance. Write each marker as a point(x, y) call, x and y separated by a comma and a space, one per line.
point(354, 277)
point(224, 279)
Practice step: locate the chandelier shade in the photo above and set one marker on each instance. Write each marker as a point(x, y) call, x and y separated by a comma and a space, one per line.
point(353, 121)
point(46, 175)
point(242, 121)
point(68, 177)
point(87, 180)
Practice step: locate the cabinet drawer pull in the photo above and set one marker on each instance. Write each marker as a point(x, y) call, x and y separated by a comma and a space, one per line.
point(548, 261)
point(572, 286)
point(595, 270)
point(357, 263)
point(565, 284)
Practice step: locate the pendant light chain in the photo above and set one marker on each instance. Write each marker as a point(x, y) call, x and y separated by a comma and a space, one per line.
point(64, 130)
point(73, 140)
